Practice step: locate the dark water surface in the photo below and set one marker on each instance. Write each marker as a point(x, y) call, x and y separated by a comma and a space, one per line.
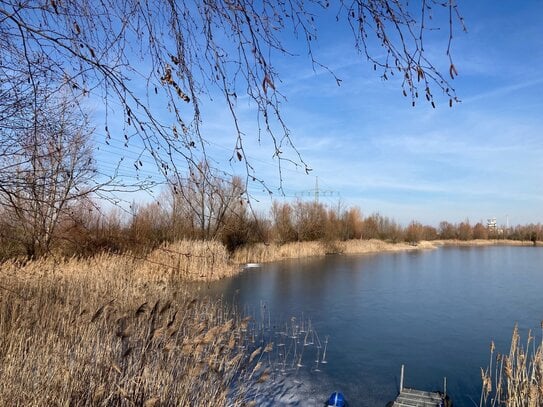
point(434, 311)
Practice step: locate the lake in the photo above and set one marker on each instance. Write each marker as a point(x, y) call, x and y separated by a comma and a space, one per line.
point(434, 311)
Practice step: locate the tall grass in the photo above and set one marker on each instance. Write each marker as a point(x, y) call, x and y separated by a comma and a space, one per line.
point(196, 260)
point(262, 253)
point(514, 379)
point(100, 332)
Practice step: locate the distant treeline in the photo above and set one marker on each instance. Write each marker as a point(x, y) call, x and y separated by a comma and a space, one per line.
point(48, 206)
point(226, 218)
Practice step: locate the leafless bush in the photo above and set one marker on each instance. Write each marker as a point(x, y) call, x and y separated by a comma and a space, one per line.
point(414, 232)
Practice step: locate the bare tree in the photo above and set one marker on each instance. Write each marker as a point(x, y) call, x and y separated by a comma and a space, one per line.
point(283, 222)
point(370, 227)
point(185, 51)
point(414, 232)
point(310, 220)
point(206, 200)
point(46, 167)
point(464, 230)
point(480, 231)
point(447, 230)
point(352, 222)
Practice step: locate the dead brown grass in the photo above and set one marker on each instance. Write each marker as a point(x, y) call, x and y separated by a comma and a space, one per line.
point(264, 253)
point(195, 260)
point(261, 253)
point(484, 242)
point(102, 332)
point(514, 379)
point(379, 246)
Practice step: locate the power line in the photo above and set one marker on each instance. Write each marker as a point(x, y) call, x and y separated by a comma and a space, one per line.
point(317, 192)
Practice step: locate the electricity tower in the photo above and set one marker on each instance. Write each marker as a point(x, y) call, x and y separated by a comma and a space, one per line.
point(317, 192)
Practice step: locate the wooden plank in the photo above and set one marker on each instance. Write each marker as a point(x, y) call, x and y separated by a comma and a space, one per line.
point(417, 398)
point(414, 403)
point(425, 399)
point(421, 393)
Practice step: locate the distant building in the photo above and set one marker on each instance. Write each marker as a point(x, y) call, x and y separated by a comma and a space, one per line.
point(491, 224)
point(492, 227)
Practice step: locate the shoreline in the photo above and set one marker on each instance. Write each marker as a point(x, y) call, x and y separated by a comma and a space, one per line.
point(191, 260)
point(487, 242)
point(261, 253)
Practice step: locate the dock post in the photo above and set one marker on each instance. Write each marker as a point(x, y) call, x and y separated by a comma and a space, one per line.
point(444, 387)
point(401, 380)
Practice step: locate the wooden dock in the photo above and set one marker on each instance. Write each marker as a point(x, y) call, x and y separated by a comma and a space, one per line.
point(418, 398)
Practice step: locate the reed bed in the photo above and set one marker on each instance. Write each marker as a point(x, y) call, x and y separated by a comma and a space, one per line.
point(485, 242)
point(198, 260)
point(195, 260)
point(263, 253)
point(514, 379)
point(97, 332)
point(378, 246)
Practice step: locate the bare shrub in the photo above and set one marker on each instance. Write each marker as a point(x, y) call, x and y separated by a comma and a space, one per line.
point(465, 231)
point(352, 224)
point(414, 232)
point(283, 222)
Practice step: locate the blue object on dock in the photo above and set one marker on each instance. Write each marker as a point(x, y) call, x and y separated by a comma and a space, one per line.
point(336, 400)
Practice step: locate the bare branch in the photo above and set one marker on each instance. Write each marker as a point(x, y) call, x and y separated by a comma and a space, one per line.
point(159, 60)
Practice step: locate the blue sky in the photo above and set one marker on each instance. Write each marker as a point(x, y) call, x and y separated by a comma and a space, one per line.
point(483, 158)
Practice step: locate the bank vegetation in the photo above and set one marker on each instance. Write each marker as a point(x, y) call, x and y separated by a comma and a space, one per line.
point(108, 331)
point(514, 378)
point(207, 224)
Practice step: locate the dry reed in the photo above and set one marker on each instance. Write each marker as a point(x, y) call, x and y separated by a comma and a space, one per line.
point(195, 260)
point(263, 253)
point(516, 379)
point(100, 331)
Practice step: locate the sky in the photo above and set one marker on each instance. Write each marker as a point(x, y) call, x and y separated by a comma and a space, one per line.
point(480, 159)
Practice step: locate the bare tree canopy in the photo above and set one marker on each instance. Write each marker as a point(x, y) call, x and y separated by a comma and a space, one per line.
point(206, 200)
point(46, 168)
point(137, 54)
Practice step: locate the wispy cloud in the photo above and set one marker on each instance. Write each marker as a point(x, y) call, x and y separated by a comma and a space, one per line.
point(503, 91)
